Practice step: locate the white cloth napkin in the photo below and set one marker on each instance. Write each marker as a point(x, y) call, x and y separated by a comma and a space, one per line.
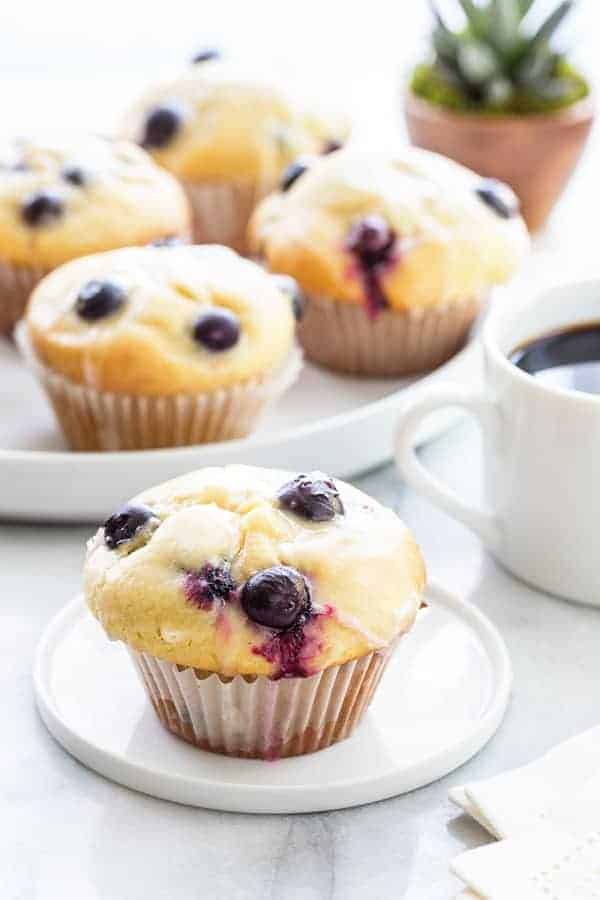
point(546, 816)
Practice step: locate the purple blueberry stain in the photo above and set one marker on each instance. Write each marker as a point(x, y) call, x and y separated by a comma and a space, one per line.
point(291, 652)
point(279, 599)
point(372, 244)
point(210, 586)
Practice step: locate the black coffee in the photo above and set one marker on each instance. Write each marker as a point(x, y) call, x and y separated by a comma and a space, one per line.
point(568, 359)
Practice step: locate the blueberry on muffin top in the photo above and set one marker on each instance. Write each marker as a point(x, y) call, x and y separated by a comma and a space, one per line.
point(218, 122)
point(65, 197)
point(220, 571)
point(405, 230)
point(158, 321)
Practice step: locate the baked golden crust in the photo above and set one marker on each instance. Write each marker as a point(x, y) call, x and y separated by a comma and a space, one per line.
point(147, 346)
point(124, 199)
point(365, 572)
point(449, 244)
point(232, 126)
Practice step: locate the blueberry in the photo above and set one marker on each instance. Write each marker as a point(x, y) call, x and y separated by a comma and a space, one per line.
point(217, 329)
point(290, 286)
point(210, 585)
point(98, 299)
point(292, 173)
point(276, 597)
point(162, 124)
point(499, 197)
point(371, 239)
point(373, 244)
point(75, 175)
point(41, 208)
point(171, 240)
point(206, 54)
point(312, 497)
point(125, 524)
point(331, 146)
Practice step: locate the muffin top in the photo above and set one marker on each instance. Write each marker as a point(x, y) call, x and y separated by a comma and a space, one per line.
point(403, 231)
point(66, 197)
point(217, 122)
point(240, 570)
point(161, 320)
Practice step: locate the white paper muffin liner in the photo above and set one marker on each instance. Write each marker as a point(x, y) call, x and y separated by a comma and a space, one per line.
point(221, 211)
point(343, 337)
point(259, 717)
point(16, 284)
point(93, 420)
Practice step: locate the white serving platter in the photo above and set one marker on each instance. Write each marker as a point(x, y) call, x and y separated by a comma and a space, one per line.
point(342, 425)
point(441, 699)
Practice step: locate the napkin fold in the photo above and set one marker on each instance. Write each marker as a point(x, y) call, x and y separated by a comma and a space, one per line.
point(545, 864)
point(546, 816)
point(543, 791)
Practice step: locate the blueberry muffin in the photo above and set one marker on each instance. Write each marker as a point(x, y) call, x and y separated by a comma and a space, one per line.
point(395, 253)
point(228, 137)
point(260, 607)
point(160, 346)
point(65, 198)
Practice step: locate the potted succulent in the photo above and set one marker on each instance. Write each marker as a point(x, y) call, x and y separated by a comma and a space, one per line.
point(499, 98)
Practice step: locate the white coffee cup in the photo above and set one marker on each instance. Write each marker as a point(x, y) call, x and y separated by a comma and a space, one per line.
point(541, 447)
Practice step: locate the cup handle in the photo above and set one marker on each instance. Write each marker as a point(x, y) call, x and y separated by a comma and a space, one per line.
point(482, 521)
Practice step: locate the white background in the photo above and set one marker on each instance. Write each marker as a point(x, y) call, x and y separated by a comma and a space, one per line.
point(76, 64)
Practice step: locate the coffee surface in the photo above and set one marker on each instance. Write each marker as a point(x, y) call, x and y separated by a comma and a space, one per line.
point(569, 358)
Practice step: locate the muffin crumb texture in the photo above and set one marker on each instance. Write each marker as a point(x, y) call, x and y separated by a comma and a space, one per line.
point(244, 571)
point(161, 321)
point(405, 231)
point(65, 197)
point(218, 122)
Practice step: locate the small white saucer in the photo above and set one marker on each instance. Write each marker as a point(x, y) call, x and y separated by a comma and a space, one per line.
point(441, 699)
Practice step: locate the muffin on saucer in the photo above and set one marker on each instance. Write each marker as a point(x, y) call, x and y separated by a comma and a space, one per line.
point(160, 346)
point(228, 136)
point(67, 197)
point(396, 254)
point(260, 607)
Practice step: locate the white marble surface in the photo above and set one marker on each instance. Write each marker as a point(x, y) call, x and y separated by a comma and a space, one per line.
point(66, 832)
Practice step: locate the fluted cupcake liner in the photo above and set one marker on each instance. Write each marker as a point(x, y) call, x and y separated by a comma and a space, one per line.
point(221, 211)
point(94, 420)
point(259, 717)
point(344, 337)
point(16, 284)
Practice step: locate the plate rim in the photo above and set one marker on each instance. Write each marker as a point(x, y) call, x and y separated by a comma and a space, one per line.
point(252, 441)
point(279, 799)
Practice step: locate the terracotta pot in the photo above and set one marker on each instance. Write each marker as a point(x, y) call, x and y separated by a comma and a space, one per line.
point(535, 154)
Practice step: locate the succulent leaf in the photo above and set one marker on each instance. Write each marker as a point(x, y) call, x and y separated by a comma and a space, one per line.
point(499, 92)
point(549, 26)
point(494, 60)
point(505, 19)
point(477, 62)
point(475, 16)
point(525, 6)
